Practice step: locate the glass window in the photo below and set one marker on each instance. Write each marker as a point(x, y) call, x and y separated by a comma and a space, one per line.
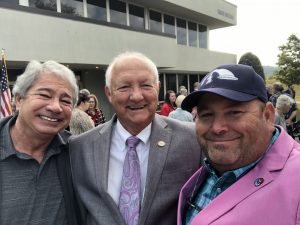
point(44, 4)
point(155, 21)
point(193, 79)
point(72, 7)
point(161, 90)
point(181, 31)
point(136, 16)
point(171, 82)
point(96, 9)
point(192, 34)
point(169, 24)
point(182, 80)
point(13, 2)
point(117, 12)
point(202, 36)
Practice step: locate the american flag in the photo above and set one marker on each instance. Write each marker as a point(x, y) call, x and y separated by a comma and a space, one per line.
point(5, 100)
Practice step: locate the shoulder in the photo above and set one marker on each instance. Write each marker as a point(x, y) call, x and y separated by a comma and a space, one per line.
point(175, 125)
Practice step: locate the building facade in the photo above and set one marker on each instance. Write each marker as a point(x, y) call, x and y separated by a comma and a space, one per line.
point(87, 34)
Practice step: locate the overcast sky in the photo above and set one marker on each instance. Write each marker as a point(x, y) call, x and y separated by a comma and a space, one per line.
point(262, 26)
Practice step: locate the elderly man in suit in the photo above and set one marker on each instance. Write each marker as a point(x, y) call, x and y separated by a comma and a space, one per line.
point(251, 170)
point(130, 169)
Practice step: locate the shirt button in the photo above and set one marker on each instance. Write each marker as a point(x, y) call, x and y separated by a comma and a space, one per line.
point(219, 190)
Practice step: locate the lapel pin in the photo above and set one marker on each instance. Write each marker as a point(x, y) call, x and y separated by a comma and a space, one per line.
point(258, 182)
point(161, 143)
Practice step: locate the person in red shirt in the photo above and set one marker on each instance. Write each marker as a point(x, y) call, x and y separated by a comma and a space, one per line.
point(169, 104)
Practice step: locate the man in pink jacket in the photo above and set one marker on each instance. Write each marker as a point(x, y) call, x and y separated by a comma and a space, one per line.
point(251, 173)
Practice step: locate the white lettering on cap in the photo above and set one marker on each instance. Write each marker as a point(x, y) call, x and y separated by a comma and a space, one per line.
point(223, 74)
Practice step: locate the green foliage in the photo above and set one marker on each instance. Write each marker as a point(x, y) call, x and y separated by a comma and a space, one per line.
point(252, 60)
point(289, 61)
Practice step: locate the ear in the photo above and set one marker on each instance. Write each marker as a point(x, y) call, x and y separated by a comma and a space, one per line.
point(108, 93)
point(17, 100)
point(269, 113)
point(158, 86)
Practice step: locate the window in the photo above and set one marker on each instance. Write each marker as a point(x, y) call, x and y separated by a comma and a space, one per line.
point(192, 32)
point(12, 2)
point(96, 9)
point(162, 85)
point(171, 82)
point(44, 4)
point(136, 16)
point(182, 80)
point(193, 78)
point(181, 31)
point(72, 7)
point(169, 24)
point(202, 30)
point(117, 12)
point(155, 21)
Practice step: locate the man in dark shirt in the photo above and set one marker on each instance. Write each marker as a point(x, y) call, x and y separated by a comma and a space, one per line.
point(35, 179)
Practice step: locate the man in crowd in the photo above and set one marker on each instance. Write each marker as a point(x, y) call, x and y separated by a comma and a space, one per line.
point(36, 187)
point(251, 169)
point(130, 169)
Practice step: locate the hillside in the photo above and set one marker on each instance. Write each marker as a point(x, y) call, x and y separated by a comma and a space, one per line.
point(269, 70)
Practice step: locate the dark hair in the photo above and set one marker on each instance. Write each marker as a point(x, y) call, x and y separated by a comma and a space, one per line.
point(167, 98)
point(82, 97)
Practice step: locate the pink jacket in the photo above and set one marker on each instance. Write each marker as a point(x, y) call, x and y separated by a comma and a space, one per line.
point(273, 202)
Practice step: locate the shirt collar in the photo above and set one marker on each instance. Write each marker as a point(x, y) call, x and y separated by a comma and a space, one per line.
point(144, 135)
point(6, 147)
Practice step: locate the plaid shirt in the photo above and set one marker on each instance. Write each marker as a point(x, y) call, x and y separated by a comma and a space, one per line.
point(215, 185)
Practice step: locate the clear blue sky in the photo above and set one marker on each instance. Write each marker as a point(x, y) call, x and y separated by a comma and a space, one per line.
point(262, 26)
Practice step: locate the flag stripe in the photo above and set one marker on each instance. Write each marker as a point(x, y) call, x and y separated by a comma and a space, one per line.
point(5, 106)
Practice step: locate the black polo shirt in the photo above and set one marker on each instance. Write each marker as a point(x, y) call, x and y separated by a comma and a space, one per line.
point(30, 192)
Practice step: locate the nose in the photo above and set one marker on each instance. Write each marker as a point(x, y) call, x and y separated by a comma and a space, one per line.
point(136, 94)
point(219, 125)
point(54, 105)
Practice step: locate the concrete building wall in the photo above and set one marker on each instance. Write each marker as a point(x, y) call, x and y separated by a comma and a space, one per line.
point(33, 36)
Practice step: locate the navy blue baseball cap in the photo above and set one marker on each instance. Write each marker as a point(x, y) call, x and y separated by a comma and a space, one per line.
point(233, 81)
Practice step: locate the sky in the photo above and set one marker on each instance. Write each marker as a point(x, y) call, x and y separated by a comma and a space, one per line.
point(262, 26)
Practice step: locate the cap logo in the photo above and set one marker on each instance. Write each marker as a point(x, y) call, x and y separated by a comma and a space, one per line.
point(221, 74)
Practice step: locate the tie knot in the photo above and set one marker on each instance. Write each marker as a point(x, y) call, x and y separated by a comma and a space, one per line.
point(132, 141)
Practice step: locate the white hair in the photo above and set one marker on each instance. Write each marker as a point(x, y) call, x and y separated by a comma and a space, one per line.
point(130, 55)
point(284, 100)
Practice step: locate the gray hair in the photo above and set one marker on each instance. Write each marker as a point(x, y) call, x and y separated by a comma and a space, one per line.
point(130, 55)
point(284, 100)
point(35, 69)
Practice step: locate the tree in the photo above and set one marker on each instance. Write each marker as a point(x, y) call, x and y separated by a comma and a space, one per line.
point(252, 60)
point(289, 61)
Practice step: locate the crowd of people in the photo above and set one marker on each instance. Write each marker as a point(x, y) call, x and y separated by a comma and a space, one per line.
point(222, 154)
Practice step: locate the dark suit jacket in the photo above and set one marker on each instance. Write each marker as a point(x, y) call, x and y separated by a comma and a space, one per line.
point(168, 168)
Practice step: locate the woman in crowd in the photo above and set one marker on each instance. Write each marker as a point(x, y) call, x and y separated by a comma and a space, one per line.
point(94, 111)
point(283, 105)
point(169, 104)
point(179, 113)
point(80, 120)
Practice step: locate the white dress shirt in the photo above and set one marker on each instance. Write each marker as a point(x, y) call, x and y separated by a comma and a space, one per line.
point(118, 151)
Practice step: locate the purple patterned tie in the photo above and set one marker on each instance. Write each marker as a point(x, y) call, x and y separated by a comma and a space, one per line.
point(129, 202)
